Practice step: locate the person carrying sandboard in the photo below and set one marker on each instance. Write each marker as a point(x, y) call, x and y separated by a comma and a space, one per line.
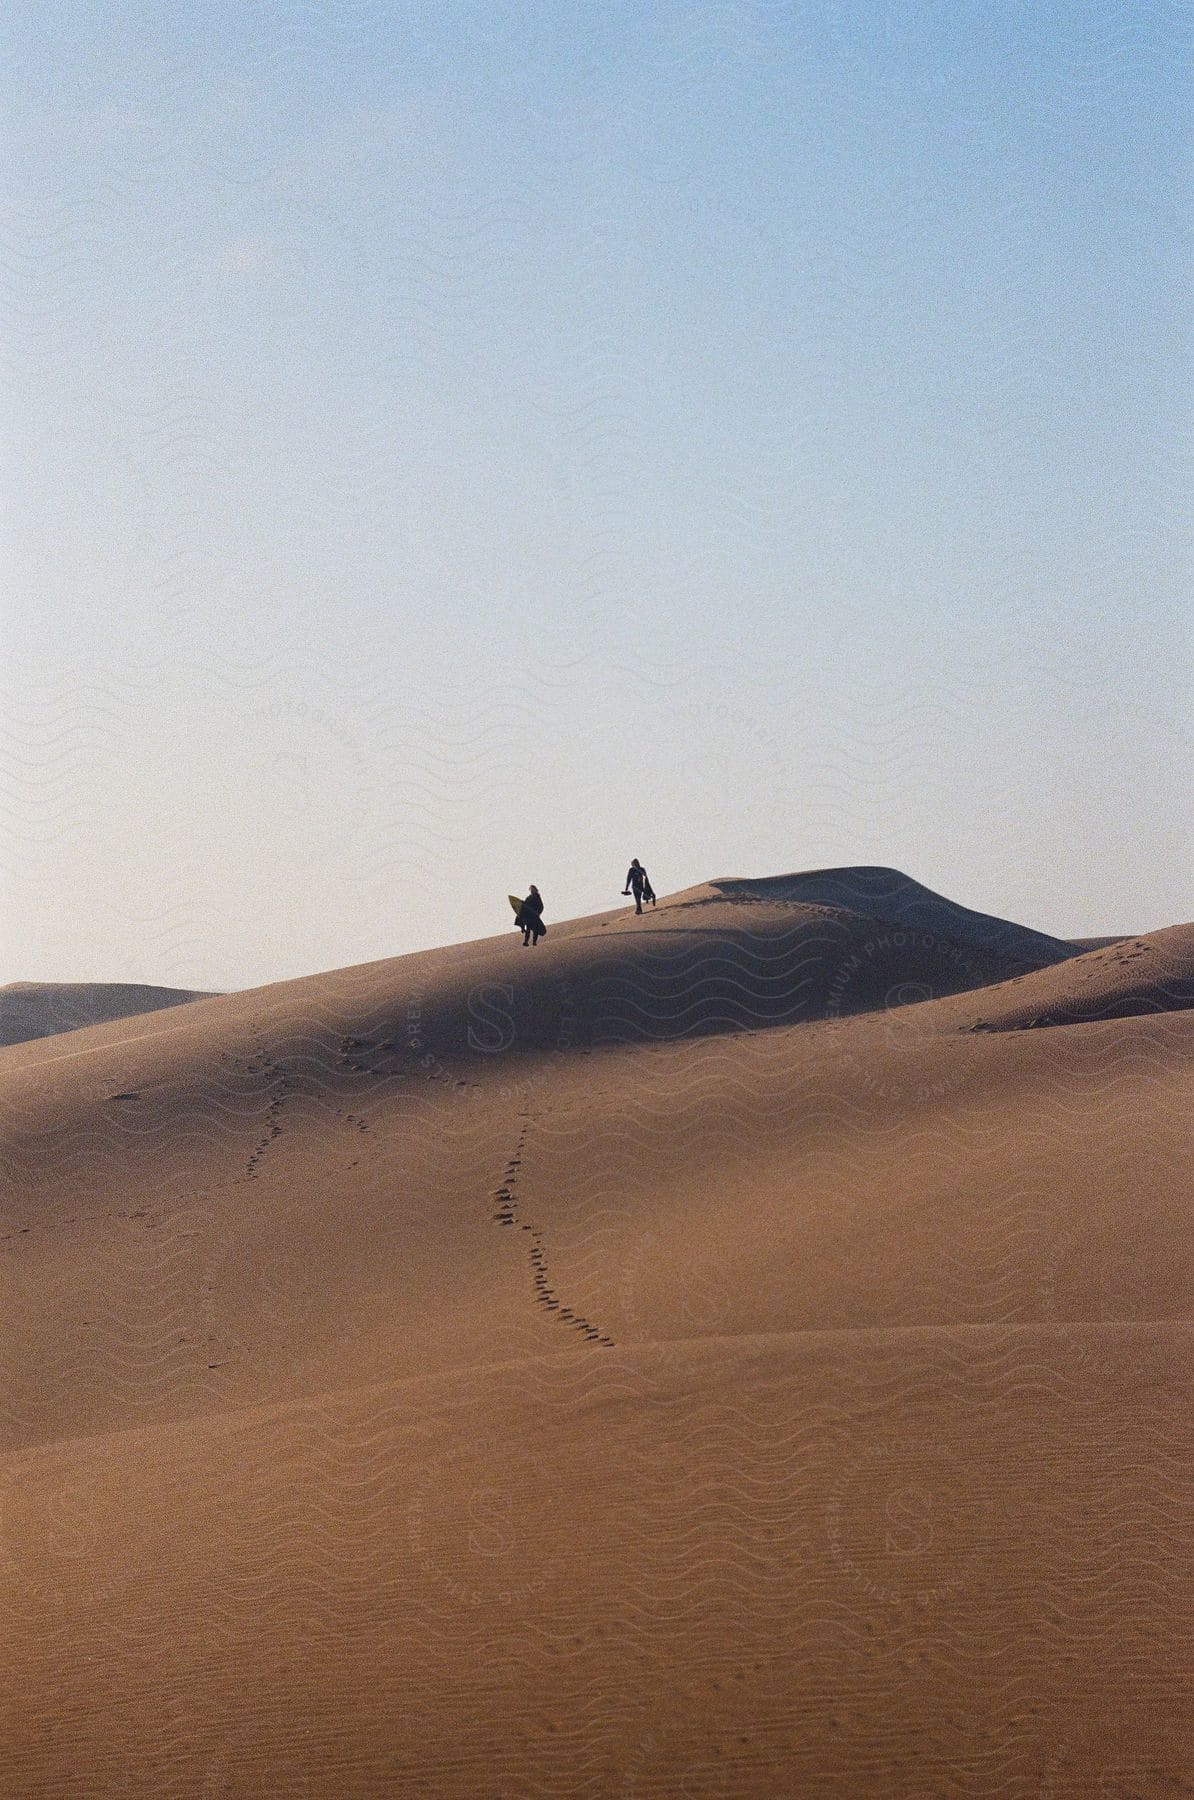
point(638, 882)
point(529, 918)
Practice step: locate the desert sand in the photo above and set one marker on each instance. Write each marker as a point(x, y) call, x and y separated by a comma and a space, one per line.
point(742, 1350)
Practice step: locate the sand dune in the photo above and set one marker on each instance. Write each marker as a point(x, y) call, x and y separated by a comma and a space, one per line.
point(1130, 976)
point(892, 898)
point(688, 1358)
point(37, 1009)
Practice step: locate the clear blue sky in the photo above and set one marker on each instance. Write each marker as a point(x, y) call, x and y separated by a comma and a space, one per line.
point(455, 445)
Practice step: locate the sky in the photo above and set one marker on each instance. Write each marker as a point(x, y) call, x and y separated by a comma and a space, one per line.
point(453, 445)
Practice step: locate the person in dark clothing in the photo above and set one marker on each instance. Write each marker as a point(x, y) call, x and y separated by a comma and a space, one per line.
point(530, 918)
point(638, 882)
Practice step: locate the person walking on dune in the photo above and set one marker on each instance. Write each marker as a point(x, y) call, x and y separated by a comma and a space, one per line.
point(638, 882)
point(530, 919)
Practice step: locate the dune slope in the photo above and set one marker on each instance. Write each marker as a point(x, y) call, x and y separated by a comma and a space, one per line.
point(685, 1359)
point(1153, 974)
point(37, 1009)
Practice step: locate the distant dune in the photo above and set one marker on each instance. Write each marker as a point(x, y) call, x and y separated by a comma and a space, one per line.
point(717, 1353)
point(888, 896)
point(33, 1009)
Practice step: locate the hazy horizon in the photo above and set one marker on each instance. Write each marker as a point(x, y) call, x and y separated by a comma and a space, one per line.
point(493, 928)
point(471, 448)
